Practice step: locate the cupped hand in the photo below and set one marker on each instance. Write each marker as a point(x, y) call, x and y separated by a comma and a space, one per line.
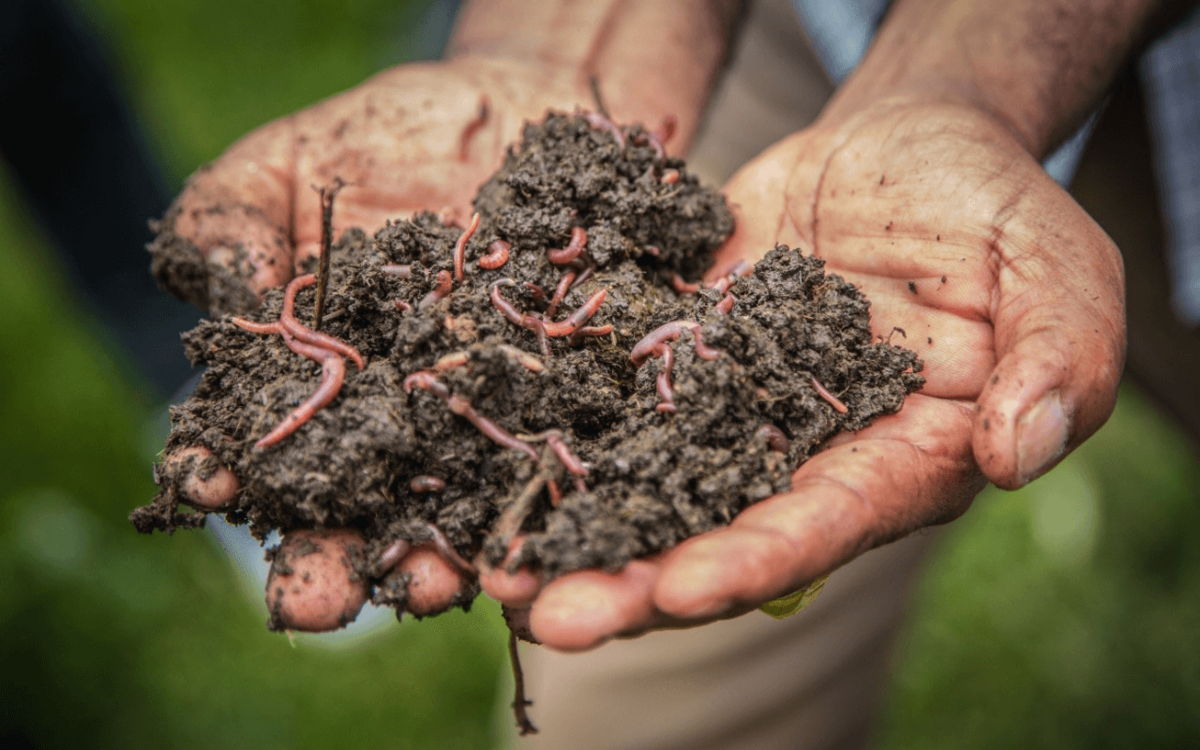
point(417, 137)
point(971, 256)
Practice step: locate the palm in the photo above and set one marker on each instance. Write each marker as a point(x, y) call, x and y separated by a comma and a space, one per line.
point(410, 139)
point(971, 256)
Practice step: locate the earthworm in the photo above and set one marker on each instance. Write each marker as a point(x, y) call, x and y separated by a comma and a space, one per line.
point(462, 407)
point(426, 483)
point(444, 284)
point(648, 346)
point(447, 550)
point(395, 269)
point(473, 127)
point(523, 358)
point(401, 305)
point(540, 329)
point(296, 328)
point(575, 320)
point(663, 381)
point(535, 291)
point(669, 176)
point(460, 248)
point(666, 129)
point(683, 287)
point(392, 555)
point(572, 250)
point(726, 303)
point(722, 284)
point(497, 255)
point(426, 381)
point(555, 492)
point(824, 393)
point(505, 307)
point(584, 276)
point(451, 361)
point(586, 331)
point(600, 122)
point(653, 250)
point(568, 459)
point(703, 350)
point(564, 285)
point(333, 373)
point(775, 438)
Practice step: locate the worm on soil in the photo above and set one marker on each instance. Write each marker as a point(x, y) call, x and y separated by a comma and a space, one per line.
point(497, 256)
point(460, 248)
point(824, 393)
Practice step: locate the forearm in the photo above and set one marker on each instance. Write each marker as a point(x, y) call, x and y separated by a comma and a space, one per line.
point(651, 57)
point(1036, 66)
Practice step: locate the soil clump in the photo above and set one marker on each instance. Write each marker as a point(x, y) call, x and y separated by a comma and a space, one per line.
point(632, 406)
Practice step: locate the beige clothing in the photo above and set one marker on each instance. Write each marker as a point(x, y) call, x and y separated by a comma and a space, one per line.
point(811, 681)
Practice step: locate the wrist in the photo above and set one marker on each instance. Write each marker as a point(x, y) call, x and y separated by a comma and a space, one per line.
point(649, 59)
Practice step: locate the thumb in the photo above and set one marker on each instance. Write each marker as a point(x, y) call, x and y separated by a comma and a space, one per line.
point(1059, 319)
point(226, 240)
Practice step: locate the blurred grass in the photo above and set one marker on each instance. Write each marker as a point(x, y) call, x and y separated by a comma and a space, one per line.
point(1065, 615)
point(1061, 616)
point(117, 641)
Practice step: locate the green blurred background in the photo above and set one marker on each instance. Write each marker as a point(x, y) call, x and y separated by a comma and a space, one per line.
point(1066, 615)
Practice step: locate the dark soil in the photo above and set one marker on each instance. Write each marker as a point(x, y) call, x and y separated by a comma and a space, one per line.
point(653, 478)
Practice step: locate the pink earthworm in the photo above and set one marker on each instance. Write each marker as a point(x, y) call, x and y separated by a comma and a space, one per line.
point(648, 346)
point(392, 555)
point(584, 275)
point(669, 176)
point(451, 361)
point(395, 269)
point(587, 331)
point(536, 291)
point(599, 122)
point(775, 438)
point(824, 393)
point(426, 381)
point(472, 127)
point(497, 256)
point(663, 381)
point(460, 247)
point(555, 492)
point(444, 285)
point(426, 483)
point(505, 307)
point(333, 373)
point(525, 359)
point(568, 459)
point(564, 285)
point(666, 129)
point(703, 350)
point(573, 249)
point(462, 407)
point(447, 551)
point(296, 328)
point(683, 287)
point(726, 303)
point(575, 320)
point(401, 305)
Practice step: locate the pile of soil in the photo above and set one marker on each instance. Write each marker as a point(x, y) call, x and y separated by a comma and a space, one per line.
point(650, 477)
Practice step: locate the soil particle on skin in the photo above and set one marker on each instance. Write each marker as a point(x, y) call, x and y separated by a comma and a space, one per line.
point(646, 479)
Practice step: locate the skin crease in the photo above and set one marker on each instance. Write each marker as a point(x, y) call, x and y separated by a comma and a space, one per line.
point(929, 202)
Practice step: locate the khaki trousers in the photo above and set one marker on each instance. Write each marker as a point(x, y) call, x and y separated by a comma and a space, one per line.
point(752, 683)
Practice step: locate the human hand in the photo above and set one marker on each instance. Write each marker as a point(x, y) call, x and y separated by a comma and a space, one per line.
point(1007, 290)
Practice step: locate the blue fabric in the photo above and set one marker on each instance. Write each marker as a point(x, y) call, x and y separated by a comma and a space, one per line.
point(1170, 73)
point(842, 31)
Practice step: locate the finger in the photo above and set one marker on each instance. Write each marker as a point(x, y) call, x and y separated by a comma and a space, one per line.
point(516, 590)
point(236, 212)
point(1060, 335)
point(874, 489)
point(434, 583)
point(313, 585)
point(583, 610)
point(205, 484)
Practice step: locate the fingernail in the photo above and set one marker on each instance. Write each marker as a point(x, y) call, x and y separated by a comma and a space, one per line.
point(1041, 437)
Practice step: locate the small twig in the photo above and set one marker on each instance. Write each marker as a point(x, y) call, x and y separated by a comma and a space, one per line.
point(520, 702)
point(327, 195)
